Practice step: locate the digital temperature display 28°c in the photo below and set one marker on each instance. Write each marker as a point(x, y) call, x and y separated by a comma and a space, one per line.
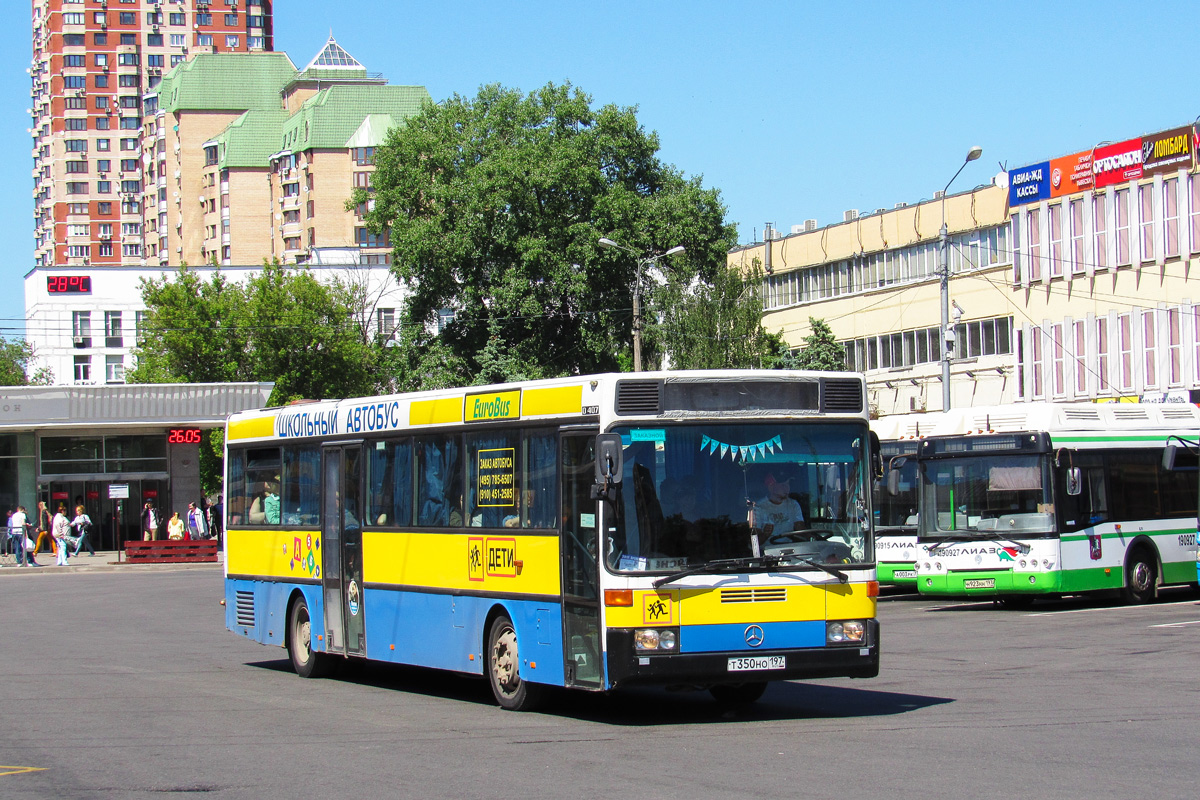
point(68, 284)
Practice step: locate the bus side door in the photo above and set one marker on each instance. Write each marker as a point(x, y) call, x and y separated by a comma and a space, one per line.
point(579, 546)
point(341, 526)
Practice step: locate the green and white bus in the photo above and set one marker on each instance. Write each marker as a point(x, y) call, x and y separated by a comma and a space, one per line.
point(1039, 499)
point(895, 496)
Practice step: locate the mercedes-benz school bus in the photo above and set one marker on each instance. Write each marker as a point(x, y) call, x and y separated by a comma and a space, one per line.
point(703, 529)
point(895, 496)
point(1042, 499)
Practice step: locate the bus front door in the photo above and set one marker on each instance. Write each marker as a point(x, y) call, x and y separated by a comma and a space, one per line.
point(579, 547)
point(345, 624)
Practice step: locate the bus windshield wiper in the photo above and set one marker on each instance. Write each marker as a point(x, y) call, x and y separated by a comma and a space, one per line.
point(721, 565)
point(837, 573)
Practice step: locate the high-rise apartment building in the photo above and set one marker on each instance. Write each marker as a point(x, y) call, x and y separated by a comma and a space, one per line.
point(95, 66)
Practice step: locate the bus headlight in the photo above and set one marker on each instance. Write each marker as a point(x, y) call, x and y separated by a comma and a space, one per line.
point(844, 632)
point(650, 639)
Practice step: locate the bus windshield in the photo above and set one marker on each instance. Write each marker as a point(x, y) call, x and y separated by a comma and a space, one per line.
point(897, 512)
point(993, 495)
point(690, 494)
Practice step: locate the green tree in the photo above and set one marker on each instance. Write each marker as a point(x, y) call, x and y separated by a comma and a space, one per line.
point(15, 358)
point(717, 324)
point(820, 350)
point(495, 206)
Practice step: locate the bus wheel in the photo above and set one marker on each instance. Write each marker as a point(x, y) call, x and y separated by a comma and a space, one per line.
point(738, 694)
point(1141, 577)
point(1014, 602)
point(504, 669)
point(306, 663)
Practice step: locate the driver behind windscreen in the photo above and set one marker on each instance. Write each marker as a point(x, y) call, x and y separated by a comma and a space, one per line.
point(778, 511)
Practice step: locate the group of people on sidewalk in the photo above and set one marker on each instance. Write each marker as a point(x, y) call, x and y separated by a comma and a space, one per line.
point(200, 523)
point(65, 535)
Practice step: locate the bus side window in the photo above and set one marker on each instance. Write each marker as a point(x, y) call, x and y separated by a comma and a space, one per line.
point(540, 496)
point(440, 482)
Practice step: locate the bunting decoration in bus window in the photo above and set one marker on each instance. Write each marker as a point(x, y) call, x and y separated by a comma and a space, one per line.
point(746, 452)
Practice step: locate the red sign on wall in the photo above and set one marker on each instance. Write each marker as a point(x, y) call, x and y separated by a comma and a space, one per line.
point(1117, 163)
point(1071, 174)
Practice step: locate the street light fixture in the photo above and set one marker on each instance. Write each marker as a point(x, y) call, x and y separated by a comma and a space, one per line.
point(944, 272)
point(643, 263)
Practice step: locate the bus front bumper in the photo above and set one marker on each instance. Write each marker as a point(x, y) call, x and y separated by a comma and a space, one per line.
point(989, 583)
point(628, 667)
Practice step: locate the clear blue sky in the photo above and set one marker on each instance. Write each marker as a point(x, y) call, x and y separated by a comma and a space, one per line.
point(793, 110)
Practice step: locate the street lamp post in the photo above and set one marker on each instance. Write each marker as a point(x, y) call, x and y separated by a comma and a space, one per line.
point(643, 263)
point(944, 272)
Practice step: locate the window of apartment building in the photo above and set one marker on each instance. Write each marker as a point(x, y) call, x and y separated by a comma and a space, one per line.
point(291, 216)
point(1121, 214)
point(177, 59)
point(210, 156)
point(154, 17)
point(385, 322)
point(128, 82)
point(127, 59)
point(75, 61)
point(79, 251)
point(154, 40)
point(103, 164)
point(131, 229)
point(83, 369)
point(1150, 348)
point(1033, 221)
point(75, 102)
point(75, 81)
point(210, 231)
point(1037, 365)
point(77, 229)
point(105, 230)
point(77, 208)
point(291, 190)
point(364, 155)
point(129, 165)
point(104, 187)
point(365, 238)
point(76, 145)
point(1124, 352)
point(309, 208)
point(101, 102)
point(1103, 365)
point(73, 18)
point(232, 42)
point(291, 243)
point(178, 39)
point(255, 42)
point(102, 145)
point(154, 60)
point(1081, 367)
point(131, 250)
point(97, 38)
point(73, 40)
point(127, 17)
point(113, 335)
point(81, 328)
point(104, 249)
point(1194, 211)
point(1174, 347)
point(129, 38)
point(224, 199)
point(1170, 207)
point(131, 206)
point(114, 369)
point(375, 259)
point(99, 18)
point(204, 18)
point(130, 101)
point(1058, 361)
point(204, 39)
point(131, 123)
point(1146, 220)
point(102, 124)
point(362, 180)
point(101, 81)
point(76, 123)
point(104, 208)
point(131, 187)
point(177, 19)
point(77, 187)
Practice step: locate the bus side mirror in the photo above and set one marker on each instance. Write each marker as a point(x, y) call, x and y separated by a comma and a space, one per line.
point(876, 456)
point(1168, 462)
point(609, 464)
point(1074, 481)
point(893, 478)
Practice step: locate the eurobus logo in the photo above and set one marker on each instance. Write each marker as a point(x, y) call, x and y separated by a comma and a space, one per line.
point(1007, 553)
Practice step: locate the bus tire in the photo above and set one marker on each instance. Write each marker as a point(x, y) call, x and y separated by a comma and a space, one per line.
point(305, 662)
point(1141, 576)
point(738, 694)
point(504, 669)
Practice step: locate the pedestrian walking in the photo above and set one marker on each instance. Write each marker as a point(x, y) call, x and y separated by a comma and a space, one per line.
point(18, 532)
point(43, 529)
point(83, 526)
point(175, 527)
point(60, 526)
point(197, 527)
point(150, 522)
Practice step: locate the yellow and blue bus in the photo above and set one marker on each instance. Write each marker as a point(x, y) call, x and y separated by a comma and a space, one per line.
point(706, 529)
point(1049, 499)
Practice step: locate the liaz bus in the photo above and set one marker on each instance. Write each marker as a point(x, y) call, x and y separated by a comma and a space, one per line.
point(895, 496)
point(693, 529)
point(1041, 499)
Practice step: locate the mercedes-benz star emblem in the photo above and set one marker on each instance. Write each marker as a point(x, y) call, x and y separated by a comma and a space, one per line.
point(754, 635)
